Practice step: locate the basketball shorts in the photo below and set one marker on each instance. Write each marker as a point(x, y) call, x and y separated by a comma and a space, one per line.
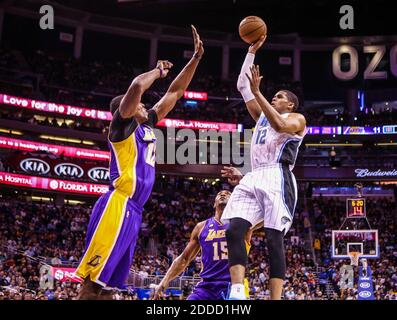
point(209, 290)
point(267, 194)
point(110, 242)
point(214, 290)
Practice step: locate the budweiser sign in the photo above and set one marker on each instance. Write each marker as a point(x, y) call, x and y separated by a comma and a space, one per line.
point(362, 173)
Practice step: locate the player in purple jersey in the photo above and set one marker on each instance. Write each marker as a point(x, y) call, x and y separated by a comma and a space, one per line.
point(116, 217)
point(209, 237)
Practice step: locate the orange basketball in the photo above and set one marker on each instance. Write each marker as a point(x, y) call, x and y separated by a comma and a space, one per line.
point(251, 29)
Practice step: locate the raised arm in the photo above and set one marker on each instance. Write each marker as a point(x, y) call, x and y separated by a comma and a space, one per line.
point(132, 98)
point(243, 84)
point(182, 261)
point(295, 123)
point(182, 81)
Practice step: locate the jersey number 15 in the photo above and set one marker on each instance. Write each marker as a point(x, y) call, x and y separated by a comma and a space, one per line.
point(220, 250)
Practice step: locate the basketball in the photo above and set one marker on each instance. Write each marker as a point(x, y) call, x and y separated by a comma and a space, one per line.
point(251, 28)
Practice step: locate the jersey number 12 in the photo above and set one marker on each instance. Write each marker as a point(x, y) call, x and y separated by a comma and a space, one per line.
point(260, 139)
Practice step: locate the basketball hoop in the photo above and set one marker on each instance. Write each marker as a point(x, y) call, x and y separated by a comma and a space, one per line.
point(354, 257)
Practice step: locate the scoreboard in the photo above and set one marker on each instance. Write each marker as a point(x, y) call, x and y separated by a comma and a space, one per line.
point(355, 208)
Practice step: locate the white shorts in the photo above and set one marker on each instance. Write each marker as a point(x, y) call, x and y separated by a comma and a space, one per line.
point(266, 194)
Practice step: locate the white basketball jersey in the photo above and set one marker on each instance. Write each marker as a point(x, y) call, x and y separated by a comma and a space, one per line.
point(269, 147)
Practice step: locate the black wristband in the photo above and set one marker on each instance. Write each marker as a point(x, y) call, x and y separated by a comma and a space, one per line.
point(196, 55)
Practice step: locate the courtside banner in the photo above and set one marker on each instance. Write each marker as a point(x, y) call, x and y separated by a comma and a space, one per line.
point(197, 125)
point(106, 115)
point(32, 146)
point(365, 284)
point(52, 184)
point(55, 107)
point(193, 95)
point(65, 274)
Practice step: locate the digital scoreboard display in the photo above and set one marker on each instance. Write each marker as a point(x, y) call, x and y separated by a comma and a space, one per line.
point(355, 208)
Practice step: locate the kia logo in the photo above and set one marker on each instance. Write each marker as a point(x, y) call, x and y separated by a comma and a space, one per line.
point(34, 165)
point(365, 285)
point(98, 173)
point(364, 294)
point(69, 169)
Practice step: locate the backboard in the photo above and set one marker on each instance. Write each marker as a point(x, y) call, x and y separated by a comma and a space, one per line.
point(363, 241)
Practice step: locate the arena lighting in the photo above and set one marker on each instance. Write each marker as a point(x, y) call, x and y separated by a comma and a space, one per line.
point(66, 201)
point(34, 198)
point(9, 131)
point(90, 143)
point(333, 144)
point(382, 144)
point(59, 139)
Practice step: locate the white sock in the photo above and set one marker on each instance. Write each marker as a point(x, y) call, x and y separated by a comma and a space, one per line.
point(237, 292)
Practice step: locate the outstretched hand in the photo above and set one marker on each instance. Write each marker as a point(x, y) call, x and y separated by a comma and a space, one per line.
point(164, 66)
point(255, 81)
point(256, 45)
point(158, 292)
point(232, 174)
point(198, 44)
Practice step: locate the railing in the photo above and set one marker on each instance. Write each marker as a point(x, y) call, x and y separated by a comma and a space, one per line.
point(139, 281)
point(40, 259)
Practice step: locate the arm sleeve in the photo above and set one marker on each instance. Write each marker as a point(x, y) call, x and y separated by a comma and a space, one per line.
point(243, 84)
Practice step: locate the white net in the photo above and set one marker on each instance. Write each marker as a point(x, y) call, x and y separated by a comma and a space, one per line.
point(354, 257)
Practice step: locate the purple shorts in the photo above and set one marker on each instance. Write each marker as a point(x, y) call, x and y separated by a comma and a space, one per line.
point(111, 237)
point(210, 290)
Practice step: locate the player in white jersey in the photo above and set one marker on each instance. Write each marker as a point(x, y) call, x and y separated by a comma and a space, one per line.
point(268, 193)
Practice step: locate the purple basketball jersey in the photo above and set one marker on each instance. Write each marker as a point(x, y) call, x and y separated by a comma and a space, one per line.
point(132, 164)
point(214, 255)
